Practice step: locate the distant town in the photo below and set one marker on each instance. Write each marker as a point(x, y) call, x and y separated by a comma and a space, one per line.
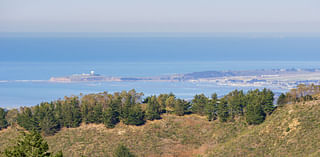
point(280, 78)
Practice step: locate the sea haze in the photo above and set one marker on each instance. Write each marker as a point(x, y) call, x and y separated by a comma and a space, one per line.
point(40, 57)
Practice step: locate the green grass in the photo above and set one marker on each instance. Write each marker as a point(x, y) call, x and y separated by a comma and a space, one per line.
point(293, 130)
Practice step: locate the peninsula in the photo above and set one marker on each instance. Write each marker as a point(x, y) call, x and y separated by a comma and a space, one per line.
point(281, 78)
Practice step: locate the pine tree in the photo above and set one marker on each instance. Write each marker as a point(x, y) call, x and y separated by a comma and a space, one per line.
point(267, 104)
point(48, 124)
point(180, 107)
point(153, 109)
point(84, 112)
point(27, 120)
point(29, 145)
point(111, 116)
point(71, 112)
point(198, 104)
point(3, 121)
point(135, 116)
point(282, 100)
point(211, 108)
point(235, 103)
point(254, 114)
point(223, 111)
point(97, 114)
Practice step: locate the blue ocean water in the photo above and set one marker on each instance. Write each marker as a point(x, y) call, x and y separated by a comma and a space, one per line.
point(39, 58)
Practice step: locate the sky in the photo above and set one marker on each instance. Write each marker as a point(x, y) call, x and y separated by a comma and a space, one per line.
point(159, 16)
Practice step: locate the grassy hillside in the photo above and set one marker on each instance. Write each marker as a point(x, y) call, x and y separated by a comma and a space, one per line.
point(293, 130)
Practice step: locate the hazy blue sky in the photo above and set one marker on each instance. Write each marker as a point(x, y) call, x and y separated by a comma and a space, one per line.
point(159, 16)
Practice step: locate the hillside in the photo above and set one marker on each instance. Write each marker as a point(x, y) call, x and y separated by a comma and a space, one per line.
point(292, 130)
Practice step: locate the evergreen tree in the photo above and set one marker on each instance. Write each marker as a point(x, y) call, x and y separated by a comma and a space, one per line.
point(254, 114)
point(45, 116)
point(211, 108)
point(84, 108)
point(29, 145)
point(122, 151)
point(180, 107)
point(3, 121)
point(71, 112)
point(27, 120)
point(235, 103)
point(58, 113)
point(199, 103)
point(111, 116)
point(48, 124)
point(97, 114)
point(153, 109)
point(282, 100)
point(223, 111)
point(267, 104)
point(135, 116)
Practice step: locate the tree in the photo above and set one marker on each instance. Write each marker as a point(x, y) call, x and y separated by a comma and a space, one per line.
point(122, 151)
point(97, 114)
point(3, 121)
point(267, 101)
point(162, 102)
point(30, 145)
point(27, 120)
point(111, 116)
point(282, 100)
point(71, 115)
point(223, 111)
point(198, 104)
point(254, 114)
point(180, 107)
point(235, 103)
point(135, 116)
point(48, 124)
point(44, 115)
point(153, 109)
point(12, 116)
point(170, 103)
point(211, 108)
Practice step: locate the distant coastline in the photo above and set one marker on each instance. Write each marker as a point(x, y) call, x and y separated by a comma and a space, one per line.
point(281, 78)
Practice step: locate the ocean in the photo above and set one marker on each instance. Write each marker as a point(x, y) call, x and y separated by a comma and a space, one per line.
point(39, 58)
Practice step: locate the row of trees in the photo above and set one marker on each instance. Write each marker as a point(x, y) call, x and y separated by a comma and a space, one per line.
point(129, 108)
point(93, 108)
point(301, 93)
point(254, 105)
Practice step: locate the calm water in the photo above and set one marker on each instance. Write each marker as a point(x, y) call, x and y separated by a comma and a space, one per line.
point(39, 58)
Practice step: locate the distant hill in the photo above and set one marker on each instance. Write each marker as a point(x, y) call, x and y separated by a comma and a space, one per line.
point(292, 130)
point(215, 74)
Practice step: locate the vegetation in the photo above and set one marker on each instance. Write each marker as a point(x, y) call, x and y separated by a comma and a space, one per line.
point(30, 145)
point(301, 93)
point(3, 121)
point(208, 120)
point(122, 151)
point(291, 130)
point(128, 108)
